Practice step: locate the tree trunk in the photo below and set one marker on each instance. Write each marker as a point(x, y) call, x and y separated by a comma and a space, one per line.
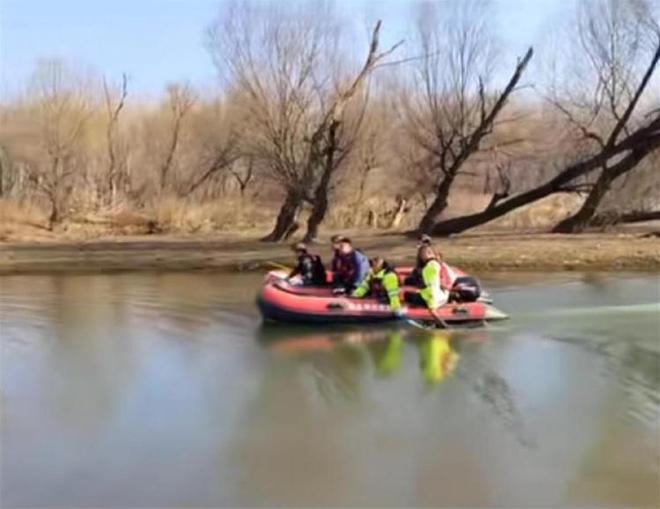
point(438, 206)
point(581, 219)
point(286, 217)
point(627, 163)
point(399, 213)
point(317, 215)
point(372, 218)
point(320, 206)
point(54, 216)
point(292, 229)
point(4, 170)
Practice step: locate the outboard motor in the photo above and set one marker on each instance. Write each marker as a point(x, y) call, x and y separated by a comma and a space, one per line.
point(465, 289)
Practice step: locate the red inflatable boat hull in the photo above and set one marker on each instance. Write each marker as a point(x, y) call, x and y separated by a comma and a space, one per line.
point(281, 301)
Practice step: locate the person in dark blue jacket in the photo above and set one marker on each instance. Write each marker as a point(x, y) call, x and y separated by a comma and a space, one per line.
point(354, 266)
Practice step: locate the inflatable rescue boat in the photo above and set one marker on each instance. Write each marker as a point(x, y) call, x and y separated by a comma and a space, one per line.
point(282, 300)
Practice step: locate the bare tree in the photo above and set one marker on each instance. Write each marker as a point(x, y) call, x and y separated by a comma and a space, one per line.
point(5, 169)
point(181, 99)
point(367, 158)
point(114, 104)
point(221, 159)
point(613, 35)
point(243, 175)
point(214, 146)
point(271, 58)
point(326, 150)
point(284, 65)
point(616, 149)
point(62, 109)
point(450, 112)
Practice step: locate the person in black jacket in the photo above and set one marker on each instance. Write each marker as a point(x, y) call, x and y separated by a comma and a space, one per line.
point(309, 267)
point(340, 267)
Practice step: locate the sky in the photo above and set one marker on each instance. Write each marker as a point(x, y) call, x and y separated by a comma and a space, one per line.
point(160, 41)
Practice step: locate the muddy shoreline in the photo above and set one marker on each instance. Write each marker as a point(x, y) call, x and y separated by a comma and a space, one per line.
point(504, 252)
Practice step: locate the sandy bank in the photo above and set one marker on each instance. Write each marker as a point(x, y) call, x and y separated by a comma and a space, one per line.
point(621, 251)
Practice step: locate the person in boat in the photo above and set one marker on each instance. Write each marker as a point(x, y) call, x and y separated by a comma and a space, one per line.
point(415, 277)
point(308, 266)
point(350, 266)
point(447, 275)
point(342, 266)
point(432, 293)
point(382, 282)
point(337, 267)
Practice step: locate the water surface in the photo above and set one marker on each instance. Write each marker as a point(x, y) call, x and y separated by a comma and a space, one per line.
point(165, 390)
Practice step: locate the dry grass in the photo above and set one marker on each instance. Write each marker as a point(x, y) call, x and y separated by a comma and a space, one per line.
point(375, 213)
point(22, 220)
point(246, 217)
point(538, 216)
point(181, 216)
point(170, 215)
point(13, 211)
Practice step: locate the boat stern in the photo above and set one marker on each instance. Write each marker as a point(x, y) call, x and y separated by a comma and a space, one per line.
point(493, 314)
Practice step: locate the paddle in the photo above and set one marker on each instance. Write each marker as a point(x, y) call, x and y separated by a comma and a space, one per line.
point(438, 322)
point(417, 324)
point(276, 265)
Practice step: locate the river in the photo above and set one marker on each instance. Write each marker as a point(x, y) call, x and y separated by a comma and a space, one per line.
point(165, 390)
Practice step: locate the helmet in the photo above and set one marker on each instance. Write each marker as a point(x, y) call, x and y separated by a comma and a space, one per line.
point(377, 264)
point(425, 240)
point(427, 253)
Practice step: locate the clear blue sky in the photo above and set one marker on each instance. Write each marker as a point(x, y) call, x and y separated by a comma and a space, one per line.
point(159, 41)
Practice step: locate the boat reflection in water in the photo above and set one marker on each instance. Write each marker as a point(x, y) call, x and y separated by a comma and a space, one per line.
point(387, 348)
point(438, 359)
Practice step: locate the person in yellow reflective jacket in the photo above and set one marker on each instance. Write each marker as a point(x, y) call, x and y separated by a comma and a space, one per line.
point(432, 294)
point(382, 281)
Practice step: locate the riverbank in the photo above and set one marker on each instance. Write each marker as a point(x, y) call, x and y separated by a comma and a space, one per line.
point(482, 252)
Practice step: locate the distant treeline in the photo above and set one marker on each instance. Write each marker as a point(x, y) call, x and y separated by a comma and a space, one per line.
point(416, 134)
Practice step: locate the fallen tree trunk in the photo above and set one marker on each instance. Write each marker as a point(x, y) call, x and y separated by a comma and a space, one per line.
point(555, 185)
point(633, 216)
